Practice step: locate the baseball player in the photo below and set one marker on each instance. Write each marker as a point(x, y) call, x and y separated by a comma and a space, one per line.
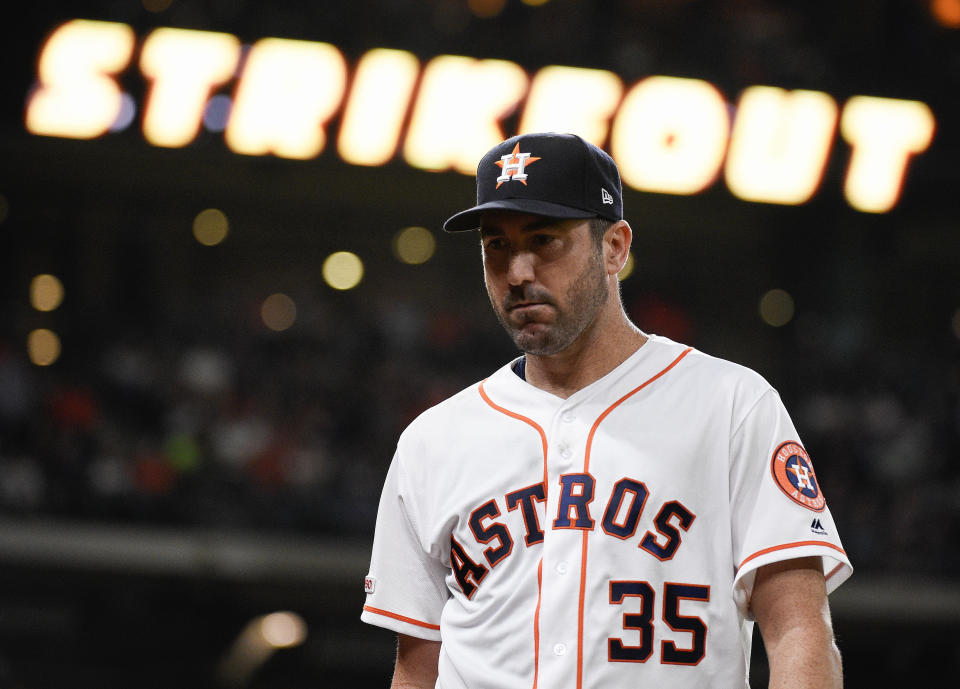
point(610, 509)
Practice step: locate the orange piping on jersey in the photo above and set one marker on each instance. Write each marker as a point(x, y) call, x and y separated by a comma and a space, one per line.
point(536, 627)
point(543, 443)
point(798, 544)
point(583, 586)
point(586, 461)
point(833, 571)
point(410, 620)
point(528, 421)
point(586, 469)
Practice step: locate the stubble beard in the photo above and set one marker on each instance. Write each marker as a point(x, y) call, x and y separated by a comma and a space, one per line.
point(584, 299)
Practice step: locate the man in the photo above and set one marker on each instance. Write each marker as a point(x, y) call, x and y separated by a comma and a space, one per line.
point(611, 509)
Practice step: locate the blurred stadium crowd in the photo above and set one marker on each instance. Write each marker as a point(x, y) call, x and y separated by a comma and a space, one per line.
point(294, 433)
point(257, 431)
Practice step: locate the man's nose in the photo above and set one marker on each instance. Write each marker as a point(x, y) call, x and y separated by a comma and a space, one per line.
point(520, 268)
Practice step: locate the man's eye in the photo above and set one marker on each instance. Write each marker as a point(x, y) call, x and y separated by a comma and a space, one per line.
point(495, 244)
point(543, 239)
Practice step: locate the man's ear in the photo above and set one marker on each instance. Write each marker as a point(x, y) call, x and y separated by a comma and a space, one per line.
point(616, 246)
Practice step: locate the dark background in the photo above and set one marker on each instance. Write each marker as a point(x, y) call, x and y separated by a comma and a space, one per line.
point(145, 517)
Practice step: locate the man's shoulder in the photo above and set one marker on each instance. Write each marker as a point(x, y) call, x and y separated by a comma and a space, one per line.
point(720, 371)
point(457, 408)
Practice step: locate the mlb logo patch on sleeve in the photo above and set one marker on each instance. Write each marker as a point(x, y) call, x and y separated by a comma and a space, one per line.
point(369, 584)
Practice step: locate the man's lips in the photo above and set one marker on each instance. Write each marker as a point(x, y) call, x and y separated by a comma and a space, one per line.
point(529, 311)
point(525, 305)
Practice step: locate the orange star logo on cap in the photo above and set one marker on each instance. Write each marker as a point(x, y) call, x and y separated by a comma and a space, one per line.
point(514, 166)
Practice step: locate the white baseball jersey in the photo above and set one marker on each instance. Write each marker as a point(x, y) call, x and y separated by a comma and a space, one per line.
point(605, 540)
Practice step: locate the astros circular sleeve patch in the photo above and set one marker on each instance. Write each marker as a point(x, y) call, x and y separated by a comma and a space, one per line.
point(793, 472)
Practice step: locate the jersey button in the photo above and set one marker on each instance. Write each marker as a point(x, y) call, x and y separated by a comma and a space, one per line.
point(559, 649)
point(561, 568)
point(566, 452)
point(568, 417)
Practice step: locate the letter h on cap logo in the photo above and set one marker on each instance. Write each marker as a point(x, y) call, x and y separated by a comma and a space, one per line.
point(514, 165)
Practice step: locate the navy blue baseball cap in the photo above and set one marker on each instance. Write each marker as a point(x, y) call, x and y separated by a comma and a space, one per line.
point(554, 175)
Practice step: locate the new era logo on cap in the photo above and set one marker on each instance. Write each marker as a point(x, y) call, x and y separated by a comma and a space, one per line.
point(572, 179)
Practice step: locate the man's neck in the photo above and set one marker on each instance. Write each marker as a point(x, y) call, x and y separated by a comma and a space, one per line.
point(599, 350)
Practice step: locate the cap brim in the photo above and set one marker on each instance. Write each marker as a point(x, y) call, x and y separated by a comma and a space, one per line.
point(470, 219)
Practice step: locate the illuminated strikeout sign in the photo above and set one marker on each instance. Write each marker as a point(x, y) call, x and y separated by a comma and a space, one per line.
point(668, 134)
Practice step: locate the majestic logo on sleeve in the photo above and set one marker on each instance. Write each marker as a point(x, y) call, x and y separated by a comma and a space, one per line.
point(793, 472)
point(514, 166)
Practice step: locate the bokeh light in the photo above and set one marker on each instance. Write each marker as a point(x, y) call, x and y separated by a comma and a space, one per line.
point(46, 292)
point(776, 308)
point(210, 227)
point(486, 9)
point(279, 312)
point(43, 347)
point(414, 245)
point(946, 13)
point(283, 629)
point(343, 270)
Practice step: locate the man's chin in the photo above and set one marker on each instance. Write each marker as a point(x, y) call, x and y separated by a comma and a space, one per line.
point(535, 339)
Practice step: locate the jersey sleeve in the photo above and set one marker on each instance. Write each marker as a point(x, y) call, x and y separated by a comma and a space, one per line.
point(405, 587)
point(778, 509)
